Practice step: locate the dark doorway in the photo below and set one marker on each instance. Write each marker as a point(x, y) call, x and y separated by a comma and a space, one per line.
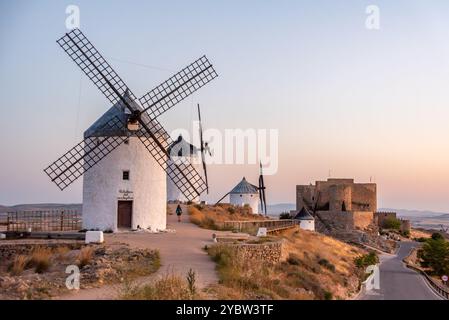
point(124, 214)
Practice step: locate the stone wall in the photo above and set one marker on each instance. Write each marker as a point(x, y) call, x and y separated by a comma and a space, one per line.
point(346, 220)
point(380, 217)
point(269, 252)
point(9, 251)
point(362, 219)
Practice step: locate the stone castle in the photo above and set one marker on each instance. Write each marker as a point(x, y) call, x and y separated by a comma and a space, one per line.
point(343, 208)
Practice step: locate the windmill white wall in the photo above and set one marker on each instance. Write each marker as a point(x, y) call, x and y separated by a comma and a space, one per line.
point(103, 187)
point(181, 150)
point(307, 224)
point(240, 199)
point(245, 193)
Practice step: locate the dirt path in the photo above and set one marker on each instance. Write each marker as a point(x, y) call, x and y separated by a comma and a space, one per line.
point(180, 251)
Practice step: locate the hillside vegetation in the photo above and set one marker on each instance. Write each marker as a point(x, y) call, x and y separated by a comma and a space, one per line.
point(314, 267)
point(212, 217)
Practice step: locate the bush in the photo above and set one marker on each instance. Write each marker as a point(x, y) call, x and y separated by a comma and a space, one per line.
point(40, 259)
point(406, 233)
point(328, 295)
point(191, 280)
point(366, 260)
point(169, 287)
point(437, 236)
point(231, 210)
point(326, 264)
point(293, 259)
point(85, 256)
point(392, 223)
point(199, 207)
point(434, 254)
point(18, 265)
point(285, 215)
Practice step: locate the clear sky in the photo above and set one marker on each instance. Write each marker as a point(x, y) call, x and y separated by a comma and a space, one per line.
point(354, 101)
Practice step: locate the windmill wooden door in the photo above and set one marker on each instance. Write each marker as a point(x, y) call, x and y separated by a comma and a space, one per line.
point(124, 214)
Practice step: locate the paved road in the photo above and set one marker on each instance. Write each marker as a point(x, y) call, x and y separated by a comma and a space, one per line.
point(397, 282)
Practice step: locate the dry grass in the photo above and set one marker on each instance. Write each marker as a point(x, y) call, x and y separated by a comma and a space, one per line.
point(19, 264)
point(85, 256)
point(40, 259)
point(314, 267)
point(168, 287)
point(60, 253)
point(212, 217)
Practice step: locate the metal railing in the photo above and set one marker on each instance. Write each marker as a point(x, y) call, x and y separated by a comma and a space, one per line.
point(436, 286)
point(253, 225)
point(53, 220)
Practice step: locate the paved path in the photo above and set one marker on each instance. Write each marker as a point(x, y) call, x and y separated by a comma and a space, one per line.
point(397, 282)
point(179, 252)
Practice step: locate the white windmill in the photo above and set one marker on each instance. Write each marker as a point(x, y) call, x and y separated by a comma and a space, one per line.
point(124, 153)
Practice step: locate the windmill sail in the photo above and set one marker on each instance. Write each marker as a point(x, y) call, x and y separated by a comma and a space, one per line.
point(151, 133)
point(203, 149)
point(75, 162)
point(263, 202)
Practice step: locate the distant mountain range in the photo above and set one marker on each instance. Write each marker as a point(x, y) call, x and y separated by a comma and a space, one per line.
point(416, 213)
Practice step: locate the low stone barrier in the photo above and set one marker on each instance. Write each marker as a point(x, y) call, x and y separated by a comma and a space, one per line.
point(270, 252)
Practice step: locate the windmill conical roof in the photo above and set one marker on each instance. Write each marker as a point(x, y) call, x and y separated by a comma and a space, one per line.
point(181, 148)
point(245, 187)
point(304, 214)
point(119, 110)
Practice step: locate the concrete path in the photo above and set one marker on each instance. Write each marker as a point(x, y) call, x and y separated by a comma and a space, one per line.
point(179, 252)
point(397, 282)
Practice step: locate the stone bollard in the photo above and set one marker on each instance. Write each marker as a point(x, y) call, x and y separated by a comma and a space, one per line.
point(94, 237)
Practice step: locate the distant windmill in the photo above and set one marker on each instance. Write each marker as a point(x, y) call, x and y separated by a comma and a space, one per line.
point(185, 151)
point(249, 194)
point(135, 197)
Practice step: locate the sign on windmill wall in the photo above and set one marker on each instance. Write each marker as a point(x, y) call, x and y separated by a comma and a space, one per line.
point(125, 194)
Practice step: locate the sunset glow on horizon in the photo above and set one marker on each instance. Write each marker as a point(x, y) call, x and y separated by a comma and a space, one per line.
point(347, 102)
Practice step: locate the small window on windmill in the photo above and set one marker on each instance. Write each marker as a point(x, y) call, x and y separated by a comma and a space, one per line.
point(241, 195)
point(133, 125)
point(126, 175)
point(126, 141)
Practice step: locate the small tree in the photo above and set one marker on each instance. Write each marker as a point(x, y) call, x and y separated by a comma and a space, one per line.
point(434, 254)
point(285, 215)
point(392, 223)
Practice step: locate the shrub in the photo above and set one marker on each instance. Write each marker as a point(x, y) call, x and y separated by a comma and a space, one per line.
point(406, 233)
point(434, 254)
point(40, 259)
point(437, 236)
point(392, 223)
point(169, 287)
point(366, 260)
point(61, 252)
point(326, 264)
point(199, 207)
point(231, 210)
point(293, 259)
point(285, 215)
point(18, 265)
point(85, 256)
point(191, 280)
point(328, 295)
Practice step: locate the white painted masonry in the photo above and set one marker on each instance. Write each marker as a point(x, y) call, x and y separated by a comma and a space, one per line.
point(103, 187)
